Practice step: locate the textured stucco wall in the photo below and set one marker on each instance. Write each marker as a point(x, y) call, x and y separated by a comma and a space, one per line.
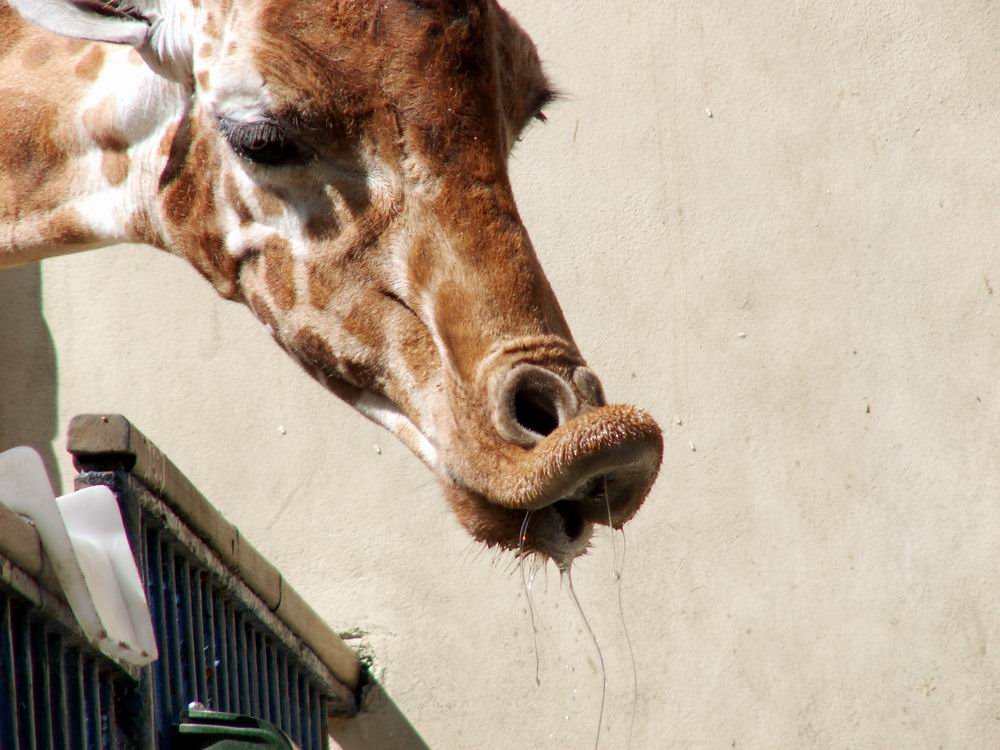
point(777, 227)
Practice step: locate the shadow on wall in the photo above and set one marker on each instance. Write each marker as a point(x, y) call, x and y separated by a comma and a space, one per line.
point(379, 726)
point(28, 375)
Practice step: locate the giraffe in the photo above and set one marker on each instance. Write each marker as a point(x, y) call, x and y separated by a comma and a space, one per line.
point(341, 169)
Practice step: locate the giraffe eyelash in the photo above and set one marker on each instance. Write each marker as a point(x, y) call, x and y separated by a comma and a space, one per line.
point(261, 142)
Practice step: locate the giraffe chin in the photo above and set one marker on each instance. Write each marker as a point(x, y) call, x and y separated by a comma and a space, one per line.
point(558, 536)
point(596, 469)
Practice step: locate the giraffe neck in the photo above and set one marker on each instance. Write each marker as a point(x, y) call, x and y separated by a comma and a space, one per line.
point(85, 130)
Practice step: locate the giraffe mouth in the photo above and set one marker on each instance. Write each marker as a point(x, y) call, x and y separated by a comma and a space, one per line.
point(596, 469)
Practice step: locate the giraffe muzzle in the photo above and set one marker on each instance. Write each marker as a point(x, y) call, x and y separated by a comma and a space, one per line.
point(604, 460)
point(597, 468)
point(570, 460)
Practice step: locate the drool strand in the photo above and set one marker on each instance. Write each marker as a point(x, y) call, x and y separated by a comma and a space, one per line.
point(616, 574)
point(527, 595)
point(628, 641)
point(568, 573)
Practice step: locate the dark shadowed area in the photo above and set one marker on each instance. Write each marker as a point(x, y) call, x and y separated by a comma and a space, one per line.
point(380, 725)
point(28, 370)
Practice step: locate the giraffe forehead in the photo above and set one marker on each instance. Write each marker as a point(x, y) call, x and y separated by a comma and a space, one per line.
point(229, 82)
point(341, 61)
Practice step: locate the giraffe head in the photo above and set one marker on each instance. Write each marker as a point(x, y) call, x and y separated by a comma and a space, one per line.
point(341, 168)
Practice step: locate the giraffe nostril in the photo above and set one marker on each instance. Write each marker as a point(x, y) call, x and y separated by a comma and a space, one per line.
point(535, 411)
point(531, 403)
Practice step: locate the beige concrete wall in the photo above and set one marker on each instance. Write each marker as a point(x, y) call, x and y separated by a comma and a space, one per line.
point(776, 226)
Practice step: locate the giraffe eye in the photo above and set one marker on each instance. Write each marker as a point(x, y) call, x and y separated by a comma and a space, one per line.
point(261, 142)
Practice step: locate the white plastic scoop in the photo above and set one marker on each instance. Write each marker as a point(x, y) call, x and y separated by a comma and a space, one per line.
point(84, 539)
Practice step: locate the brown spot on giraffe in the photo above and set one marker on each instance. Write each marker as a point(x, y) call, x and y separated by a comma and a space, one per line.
point(67, 229)
point(100, 124)
point(270, 202)
point(231, 194)
point(11, 30)
point(167, 141)
point(224, 268)
point(315, 354)
point(263, 312)
point(140, 229)
point(322, 225)
point(32, 154)
point(114, 166)
point(322, 284)
point(212, 28)
point(418, 349)
point(203, 79)
point(89, 66)
point(36, 55)
point(179, 196)
point(279, 271)
point(364, 326)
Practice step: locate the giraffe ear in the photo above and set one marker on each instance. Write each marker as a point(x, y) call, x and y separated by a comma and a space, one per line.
point(157, 29)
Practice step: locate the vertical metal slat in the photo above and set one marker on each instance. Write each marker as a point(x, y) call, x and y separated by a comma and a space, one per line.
point(110, 739)
point(41, 666)
point(46, 716)
point(187, 627)
point(236, 657)
point(76, 730)
point(155, 591)
point(209, 637)
point(175, 635)
point(92, 686)
point(284, 694)
point(244, 692)
point(317, 707)
point(26, 689)
point(251, 661)
point(262, 671)
point(222, 667)
point(273, 681)
point(297, 722)
point(8, 673)
point(199, 645)
point(61, 687)
point(307, 730)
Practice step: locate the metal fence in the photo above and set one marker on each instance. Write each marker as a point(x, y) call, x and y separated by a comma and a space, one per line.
point(56, 692)
point(232, 635)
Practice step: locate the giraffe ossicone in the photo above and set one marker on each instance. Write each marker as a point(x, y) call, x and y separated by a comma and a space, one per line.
point(340, 168)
